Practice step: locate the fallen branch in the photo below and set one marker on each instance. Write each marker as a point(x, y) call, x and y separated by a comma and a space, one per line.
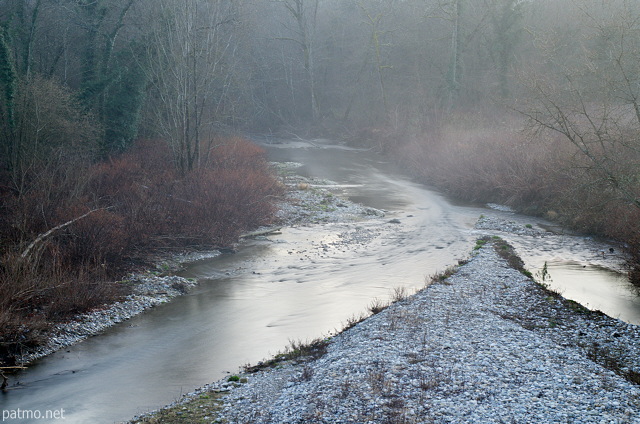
point(303, 139)
point(262, 232)
point(42, 236)
point(5, 380)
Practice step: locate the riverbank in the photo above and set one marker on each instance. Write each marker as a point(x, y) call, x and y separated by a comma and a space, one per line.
point(306, 201)
point(68, 237)
point(484, 344)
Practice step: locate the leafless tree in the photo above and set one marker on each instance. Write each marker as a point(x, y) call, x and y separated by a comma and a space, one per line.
point(303, 33)
point(192, 44)
point(593, 100)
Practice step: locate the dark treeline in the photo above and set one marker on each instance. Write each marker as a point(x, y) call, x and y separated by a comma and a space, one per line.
point(117, 120)
point(183, 70)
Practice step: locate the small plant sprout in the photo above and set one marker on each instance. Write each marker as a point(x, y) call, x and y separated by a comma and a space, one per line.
point(479, 244)
point(543, 276)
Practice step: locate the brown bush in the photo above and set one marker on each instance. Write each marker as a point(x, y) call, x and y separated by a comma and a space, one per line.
point(209, 206)
point(489, 166)
point(218, 204)
point(236, 153)
point(34, 295)
point(544, 176)
point(116, 210)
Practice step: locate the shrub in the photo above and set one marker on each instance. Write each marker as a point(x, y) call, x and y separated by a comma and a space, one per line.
point(86, 222)
point(491, 162)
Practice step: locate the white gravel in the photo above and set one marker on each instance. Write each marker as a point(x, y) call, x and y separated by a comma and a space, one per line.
point(487, 345)
point(312, 200)
point(148, 291)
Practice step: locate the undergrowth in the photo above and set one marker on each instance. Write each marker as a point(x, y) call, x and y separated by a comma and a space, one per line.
point(490, 158)
point(295, 351)
point(73, 226)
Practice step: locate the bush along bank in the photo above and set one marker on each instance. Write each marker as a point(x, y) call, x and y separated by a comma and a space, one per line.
point(80, 226)
point(488, 160)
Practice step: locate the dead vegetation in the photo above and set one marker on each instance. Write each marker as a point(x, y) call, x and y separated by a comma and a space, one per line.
point(483, 159)
point(74, 227)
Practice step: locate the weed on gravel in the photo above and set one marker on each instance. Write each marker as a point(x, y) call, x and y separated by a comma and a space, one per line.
point(295, 351)
point(204, 409)
point(562, 315)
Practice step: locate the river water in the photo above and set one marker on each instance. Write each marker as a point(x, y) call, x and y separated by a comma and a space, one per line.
point(304, 283)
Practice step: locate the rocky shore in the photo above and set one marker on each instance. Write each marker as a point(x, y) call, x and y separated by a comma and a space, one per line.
point(307, 201)
point(483, 343)
point(148, 291)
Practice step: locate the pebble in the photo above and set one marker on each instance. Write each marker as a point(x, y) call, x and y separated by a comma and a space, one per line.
point(148, 291)
point(477, 348)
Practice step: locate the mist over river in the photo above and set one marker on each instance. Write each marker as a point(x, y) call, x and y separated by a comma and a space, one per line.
point(300, 284)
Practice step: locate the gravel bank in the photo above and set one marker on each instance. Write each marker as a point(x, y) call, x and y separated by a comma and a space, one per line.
point(312, 200)
point(307, 202)
point(148, 291)
point(485, 345)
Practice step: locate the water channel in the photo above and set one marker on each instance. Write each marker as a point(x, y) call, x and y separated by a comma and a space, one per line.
point(298, 285)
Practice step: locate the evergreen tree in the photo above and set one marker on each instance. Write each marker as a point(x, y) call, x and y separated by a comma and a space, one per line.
point(124, 99)
point(8, 79)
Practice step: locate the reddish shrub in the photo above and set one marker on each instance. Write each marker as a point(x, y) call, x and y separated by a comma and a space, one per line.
point(236, 153)
point(218, 204)
point(98, 238)
point(137, 202)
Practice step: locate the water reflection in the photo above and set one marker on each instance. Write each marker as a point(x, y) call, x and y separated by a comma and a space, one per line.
point(595, 287)
point(249, 305)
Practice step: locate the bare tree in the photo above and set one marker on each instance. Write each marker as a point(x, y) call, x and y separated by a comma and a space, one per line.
point(466, 21)
point(506, 24)
point(48, 122)
point(191, 46)
point(593, 102)
point(304, 14)
point(374, 21)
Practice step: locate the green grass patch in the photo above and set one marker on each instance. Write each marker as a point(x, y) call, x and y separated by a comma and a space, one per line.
point(296, 351)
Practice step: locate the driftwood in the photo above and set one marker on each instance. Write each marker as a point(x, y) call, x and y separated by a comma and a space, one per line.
point(262, 232)
point(303, 139)
point(5, 380)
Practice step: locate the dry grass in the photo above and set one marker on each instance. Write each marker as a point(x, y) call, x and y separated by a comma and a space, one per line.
point(204, 409)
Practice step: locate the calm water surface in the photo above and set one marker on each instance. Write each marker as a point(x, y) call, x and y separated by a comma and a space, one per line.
point(290, 286)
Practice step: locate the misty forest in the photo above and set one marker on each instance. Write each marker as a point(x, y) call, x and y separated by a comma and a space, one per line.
point(125, 124)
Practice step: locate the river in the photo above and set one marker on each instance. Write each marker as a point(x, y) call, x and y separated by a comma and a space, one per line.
point(304, 283)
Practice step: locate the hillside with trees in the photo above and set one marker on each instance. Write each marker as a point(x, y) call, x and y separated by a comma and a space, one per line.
point(119, 120)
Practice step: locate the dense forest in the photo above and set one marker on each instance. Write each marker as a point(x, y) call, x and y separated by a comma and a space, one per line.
point(120, 120)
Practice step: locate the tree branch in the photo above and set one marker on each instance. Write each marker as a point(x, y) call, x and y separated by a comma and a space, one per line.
point(43, 236)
